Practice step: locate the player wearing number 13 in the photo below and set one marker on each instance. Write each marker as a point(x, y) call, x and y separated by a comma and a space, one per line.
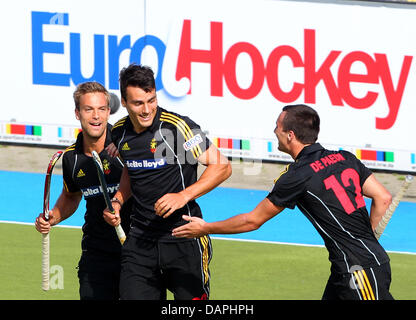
point(328, 187)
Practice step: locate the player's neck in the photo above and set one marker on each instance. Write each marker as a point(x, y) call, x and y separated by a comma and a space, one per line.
point(296, 149)
point(93, 144)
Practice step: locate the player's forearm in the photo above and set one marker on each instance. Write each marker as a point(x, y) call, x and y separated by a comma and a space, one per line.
point(64, 207)
point(124, 191)
point(379, 207)
point(245, 222)
point(238, 224)
point(381, 199)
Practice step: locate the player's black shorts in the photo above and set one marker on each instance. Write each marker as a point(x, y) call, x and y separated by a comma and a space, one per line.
point(360, 284)
point(150, 267)
point(99, 276)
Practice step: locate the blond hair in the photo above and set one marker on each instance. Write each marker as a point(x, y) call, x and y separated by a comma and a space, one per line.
point(89, 87)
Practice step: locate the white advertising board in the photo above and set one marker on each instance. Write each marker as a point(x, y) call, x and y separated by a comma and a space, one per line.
point(229, 65)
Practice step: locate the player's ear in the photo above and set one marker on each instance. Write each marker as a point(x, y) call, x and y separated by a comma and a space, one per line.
point(77, 113)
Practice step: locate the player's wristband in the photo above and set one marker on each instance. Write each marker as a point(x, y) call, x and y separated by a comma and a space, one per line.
point(117, 200)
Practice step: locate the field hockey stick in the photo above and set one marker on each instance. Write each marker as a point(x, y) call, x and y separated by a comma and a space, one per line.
point(392, 207)
point(45, 236)
point(100, 170)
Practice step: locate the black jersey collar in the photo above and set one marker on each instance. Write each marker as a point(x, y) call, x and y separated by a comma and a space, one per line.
point(156, 120)
point(308, 150)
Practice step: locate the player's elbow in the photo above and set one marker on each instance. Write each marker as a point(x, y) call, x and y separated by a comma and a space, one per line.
point(251, 223)
point(383, 200)
point(224, 171)
point(387, 198)
point(227, 171)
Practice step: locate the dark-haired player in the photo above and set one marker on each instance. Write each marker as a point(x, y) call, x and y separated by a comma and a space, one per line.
point(328, 187)
point(99, 266)
point(161, 151)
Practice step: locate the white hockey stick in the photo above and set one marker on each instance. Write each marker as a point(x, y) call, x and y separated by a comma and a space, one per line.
point(100, 170)
point(45, 236)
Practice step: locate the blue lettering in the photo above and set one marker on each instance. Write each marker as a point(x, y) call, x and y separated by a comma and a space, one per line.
point(158, 45)
point(75, 54)
point(115, 48)
point(114, 51)
point(39, 47)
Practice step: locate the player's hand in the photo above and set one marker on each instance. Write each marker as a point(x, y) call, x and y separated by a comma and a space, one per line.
point(193, 229)
point(112, 150)
point(169, 203)
point(42, 225)
point(113, 219)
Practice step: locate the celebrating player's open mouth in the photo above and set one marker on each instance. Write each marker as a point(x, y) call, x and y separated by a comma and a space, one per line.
point(146, 119)
point(96, 125)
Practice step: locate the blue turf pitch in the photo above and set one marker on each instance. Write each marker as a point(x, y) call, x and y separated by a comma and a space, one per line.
point(21, 195)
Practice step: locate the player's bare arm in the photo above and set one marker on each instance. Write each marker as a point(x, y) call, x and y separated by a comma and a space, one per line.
point(244, 222)
point(112, 150)
point(65, 206)
point(122, 195)
point(381, 199)
point(218, 169)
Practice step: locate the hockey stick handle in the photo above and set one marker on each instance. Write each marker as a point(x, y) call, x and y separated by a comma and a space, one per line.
point(100, 171)
point(45, 237)
point(119, 230)
point(120, 234)
point(392, 207)
point(45, 261)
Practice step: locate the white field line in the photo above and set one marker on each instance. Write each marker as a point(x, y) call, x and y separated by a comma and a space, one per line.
point(219, 238)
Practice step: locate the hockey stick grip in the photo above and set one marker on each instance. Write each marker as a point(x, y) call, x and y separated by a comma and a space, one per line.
point(45, 261)
point(120, 234)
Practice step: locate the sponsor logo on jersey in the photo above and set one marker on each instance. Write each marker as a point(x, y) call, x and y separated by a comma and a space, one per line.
point(94, 191)
point(80, 174)
point(106, 166)
point(125, 147)
point(153, 145)
point(193, 142)
point(146, 164)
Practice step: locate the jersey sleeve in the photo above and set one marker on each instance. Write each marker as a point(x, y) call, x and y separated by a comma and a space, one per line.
point(195, 141)
point(362, 170)
point(67, 168)
point(287, 189)
point(117, 131)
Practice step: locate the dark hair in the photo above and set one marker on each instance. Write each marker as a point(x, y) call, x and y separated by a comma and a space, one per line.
point(136, 76)
point(303, 121)
point(89, 87)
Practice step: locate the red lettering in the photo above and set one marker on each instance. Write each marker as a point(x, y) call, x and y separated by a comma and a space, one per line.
point(230, 72)
point(339, 156)
point(313, 76)
point(187, 55)
point(393, 96)
point(352, 175)
point(316, 166)
point(333, 158)
point(272, 73)
point(326, 161)
point(345, 78)
point(224, 71)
